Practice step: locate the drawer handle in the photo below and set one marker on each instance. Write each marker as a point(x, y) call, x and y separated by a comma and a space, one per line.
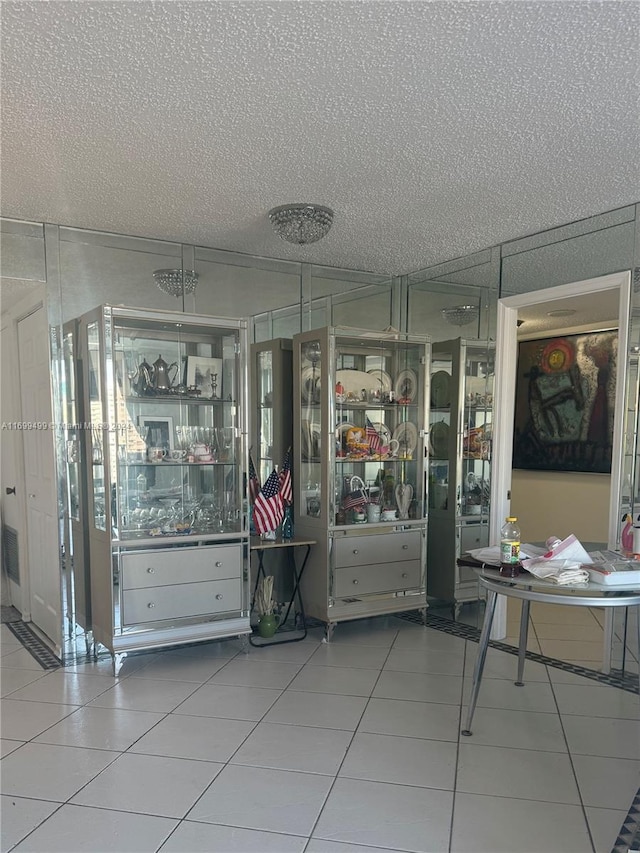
point(405, 575)
point(151, 570)
point(218, 564)
point(355, 550)
point(151, 605)
point(405, 547)
point(356, 581)
point(219, 597)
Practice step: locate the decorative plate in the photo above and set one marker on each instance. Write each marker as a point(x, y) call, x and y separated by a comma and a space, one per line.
point(309, 384)
point(310, 434)
point(406, 435)
point(386, 383)
point(439, 436)
point(440, 389)
point(406, 386)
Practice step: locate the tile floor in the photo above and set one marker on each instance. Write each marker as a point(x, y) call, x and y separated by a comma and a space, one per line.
point(351, 747)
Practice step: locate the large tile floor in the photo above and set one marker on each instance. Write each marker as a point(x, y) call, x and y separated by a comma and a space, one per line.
point(351, 747)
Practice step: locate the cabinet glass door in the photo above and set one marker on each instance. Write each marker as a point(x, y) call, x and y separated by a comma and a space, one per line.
point(176, 435)
point(313, 357)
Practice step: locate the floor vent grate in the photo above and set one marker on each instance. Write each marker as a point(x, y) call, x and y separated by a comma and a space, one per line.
point(34, 645)
point(627, 682)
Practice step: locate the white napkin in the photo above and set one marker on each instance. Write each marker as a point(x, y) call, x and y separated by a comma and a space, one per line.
point(561, 572)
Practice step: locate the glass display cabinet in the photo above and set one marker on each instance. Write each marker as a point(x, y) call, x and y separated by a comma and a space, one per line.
point(165, 400)
point(360, 408)
point(460, 431)
point(271, 404)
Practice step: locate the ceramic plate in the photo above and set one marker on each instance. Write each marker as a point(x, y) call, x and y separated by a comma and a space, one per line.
point(309, 384)
point(407, 437)
point(310, 435)
point(406, 386)
point(440, 389)
point(440, 440)
point(383, 378)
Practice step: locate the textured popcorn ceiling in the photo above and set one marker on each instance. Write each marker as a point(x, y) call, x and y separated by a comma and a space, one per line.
point(433, 129)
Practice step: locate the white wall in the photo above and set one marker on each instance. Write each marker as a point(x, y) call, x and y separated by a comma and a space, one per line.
point(559, 503)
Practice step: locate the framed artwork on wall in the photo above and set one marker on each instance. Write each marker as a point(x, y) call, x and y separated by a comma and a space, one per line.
point(565, 403)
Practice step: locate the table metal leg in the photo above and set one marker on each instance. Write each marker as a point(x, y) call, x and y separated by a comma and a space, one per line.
point(490, 609)
point(522, 647)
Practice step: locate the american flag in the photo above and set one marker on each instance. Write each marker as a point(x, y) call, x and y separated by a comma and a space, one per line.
point(286, 486)
point(254, 482)
point(268, 510)
point(373, 437)
point(354, 499)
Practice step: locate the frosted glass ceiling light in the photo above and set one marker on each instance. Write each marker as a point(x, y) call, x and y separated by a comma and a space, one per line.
point(461, 315)
point(301, 223)
point(176, 282)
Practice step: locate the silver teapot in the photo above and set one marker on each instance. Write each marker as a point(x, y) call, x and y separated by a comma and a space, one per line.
point(163, 380)
point(142, 379)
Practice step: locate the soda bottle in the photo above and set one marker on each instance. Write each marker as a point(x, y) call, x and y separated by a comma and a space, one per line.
point(510, 548)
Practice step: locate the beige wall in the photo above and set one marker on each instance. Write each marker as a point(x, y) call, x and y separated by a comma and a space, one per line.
point(559, 503)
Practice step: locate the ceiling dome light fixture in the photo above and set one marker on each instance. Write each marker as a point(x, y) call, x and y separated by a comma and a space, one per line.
point(300, 222)
point(176, 282)
point(461, 315)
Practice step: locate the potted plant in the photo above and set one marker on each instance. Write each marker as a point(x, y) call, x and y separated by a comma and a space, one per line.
point(267, 620)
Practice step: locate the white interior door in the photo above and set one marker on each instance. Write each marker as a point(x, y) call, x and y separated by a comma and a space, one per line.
point(40, 480)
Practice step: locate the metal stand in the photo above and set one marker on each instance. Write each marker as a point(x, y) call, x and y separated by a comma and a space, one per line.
point(280, 638)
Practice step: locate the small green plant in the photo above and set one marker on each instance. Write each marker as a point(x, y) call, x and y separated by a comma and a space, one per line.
point(264, 601)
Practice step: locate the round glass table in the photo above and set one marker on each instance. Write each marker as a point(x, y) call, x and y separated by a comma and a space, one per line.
point(528, 588)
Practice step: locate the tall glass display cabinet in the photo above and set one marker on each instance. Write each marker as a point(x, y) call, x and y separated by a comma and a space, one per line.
point(360, 408)
point(460, 430)
point(271, 404)
point(166, 408)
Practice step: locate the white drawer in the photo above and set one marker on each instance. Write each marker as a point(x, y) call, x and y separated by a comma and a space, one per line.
point(473, 536)
point(354, 581)
point(384, 548)
point(157, 604)
point(164, 566)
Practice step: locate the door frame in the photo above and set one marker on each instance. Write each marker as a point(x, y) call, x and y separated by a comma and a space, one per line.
point(505, 387)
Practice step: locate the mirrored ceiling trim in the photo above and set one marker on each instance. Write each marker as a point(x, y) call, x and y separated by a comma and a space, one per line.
point(453, 266)
point(451, 288)
point(359, 277)
point(567, 232)
point(240, 259)
point(22, 227)
point(120, 241)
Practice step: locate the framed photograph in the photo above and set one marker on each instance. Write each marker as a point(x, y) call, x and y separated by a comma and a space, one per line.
point(565, 403)
point(157, 431)
point(205, 375)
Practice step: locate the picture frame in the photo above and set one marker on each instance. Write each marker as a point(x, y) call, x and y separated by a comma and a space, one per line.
point(204, 374)
point(159, 430)
point(565, 400)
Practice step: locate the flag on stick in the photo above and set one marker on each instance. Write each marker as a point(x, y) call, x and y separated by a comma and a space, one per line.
point(373, 437)
point(254, 482)
point(268, 510)
point(286, 486)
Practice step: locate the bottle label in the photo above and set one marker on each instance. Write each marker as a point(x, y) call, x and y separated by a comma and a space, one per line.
point(510, 552)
